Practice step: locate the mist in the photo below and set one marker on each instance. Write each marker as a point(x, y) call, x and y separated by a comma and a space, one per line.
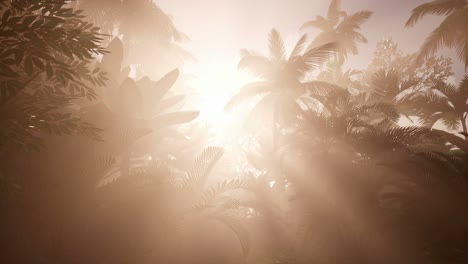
point(250, 132)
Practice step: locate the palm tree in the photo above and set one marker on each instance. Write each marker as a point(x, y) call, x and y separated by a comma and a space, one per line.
point(349, 78)
point(281, 76)
point(450, 33)
point(444, 102)
point(341, 27)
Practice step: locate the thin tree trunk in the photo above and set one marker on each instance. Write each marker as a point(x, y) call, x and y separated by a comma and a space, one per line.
point(275, 121)
point(465, 129)
point(125, 163)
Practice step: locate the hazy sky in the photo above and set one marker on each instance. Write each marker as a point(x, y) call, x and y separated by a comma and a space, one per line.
point(219, 28)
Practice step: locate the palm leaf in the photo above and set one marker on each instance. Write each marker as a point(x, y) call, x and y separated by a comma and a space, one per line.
point(334, 11)
point(320, 88)
point(442, 36)
point(315, 57)
point(277, 49)
point(453, 139)
point(202, 166)
point(444, 7)
point(254, 63)
point(319, 22)
point(388, 110)
point(248, 91)
point(410, 135)
point(354, 21)
point(210, 195)
point(299, 47)
point(234, 222)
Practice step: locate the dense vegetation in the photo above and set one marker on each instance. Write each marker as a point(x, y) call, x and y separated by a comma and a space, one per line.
point(96, 168)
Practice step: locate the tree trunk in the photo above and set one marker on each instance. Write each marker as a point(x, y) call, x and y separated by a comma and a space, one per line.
point(465, 129)
point(275, 121)
point(125, 164)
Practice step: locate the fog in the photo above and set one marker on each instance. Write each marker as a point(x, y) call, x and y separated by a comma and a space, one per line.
point(252, 132)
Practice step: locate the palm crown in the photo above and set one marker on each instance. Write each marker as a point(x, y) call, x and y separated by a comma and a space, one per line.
point(450, 33)
point(341, 27)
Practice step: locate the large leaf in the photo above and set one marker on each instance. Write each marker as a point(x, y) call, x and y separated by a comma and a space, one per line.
point(130, 100)
point(162, 86)
point(112, 61)
point(169, 102)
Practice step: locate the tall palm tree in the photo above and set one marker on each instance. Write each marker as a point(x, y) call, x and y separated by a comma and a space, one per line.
point(281, 76)
point(341, 27)
point(450, 33)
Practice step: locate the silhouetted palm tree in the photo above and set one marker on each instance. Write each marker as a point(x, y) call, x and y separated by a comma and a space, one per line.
point(281, 76)
point(452, 32)
point(444, 102)
point(341, 27)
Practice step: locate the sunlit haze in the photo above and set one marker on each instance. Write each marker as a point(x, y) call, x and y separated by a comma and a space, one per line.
point(234, 131)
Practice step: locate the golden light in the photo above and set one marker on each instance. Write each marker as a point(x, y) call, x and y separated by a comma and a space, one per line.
point(214, 84)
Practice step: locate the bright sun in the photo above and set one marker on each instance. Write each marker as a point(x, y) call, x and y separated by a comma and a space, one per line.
point(215, 83)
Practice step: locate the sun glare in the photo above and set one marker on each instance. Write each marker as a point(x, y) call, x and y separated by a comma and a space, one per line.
point(215, 83)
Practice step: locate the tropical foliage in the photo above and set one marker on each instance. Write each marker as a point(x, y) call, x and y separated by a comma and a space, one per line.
point(450, 33)
point(355, 165)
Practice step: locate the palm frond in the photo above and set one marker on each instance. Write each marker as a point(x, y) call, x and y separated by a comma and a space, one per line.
point(444, 7)
point(315, 57)
point(254, 63)
point(202, 166)
point(334, 11)
point(277, 49)
point(388, 110)
point(210, 195)
point(354, 21)
point(234, 222)
point(410, 135)
point(248, 91)
point(299, 47)
point(320, 88)
point(319, 22)
point(450, 119)
point(442, 36)
point(453, 139)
